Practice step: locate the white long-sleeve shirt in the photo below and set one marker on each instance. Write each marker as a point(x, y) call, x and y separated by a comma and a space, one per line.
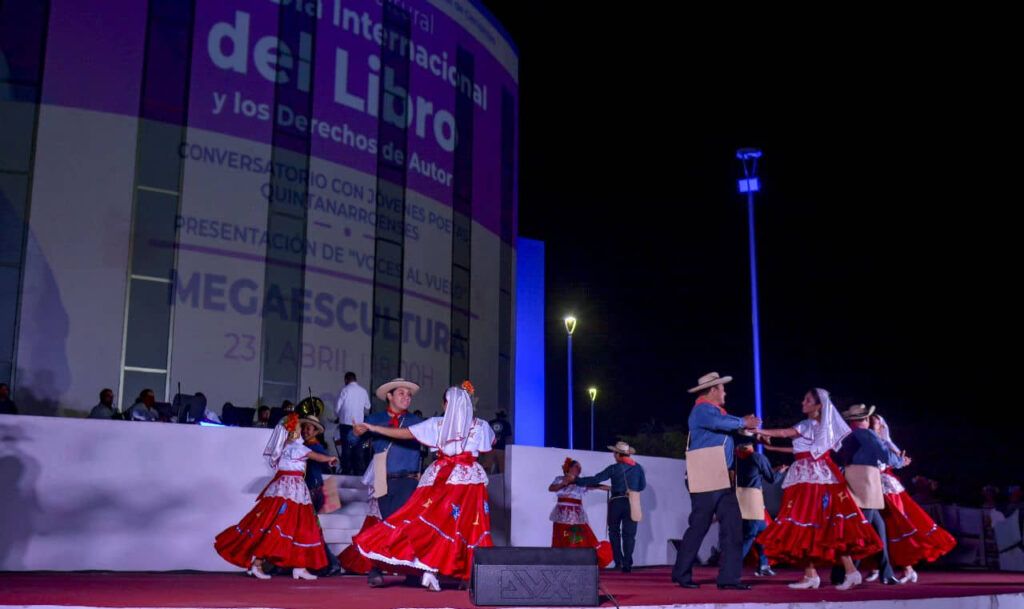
point(353, 404)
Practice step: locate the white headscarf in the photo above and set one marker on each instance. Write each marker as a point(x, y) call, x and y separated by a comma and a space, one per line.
point(831, 428)
point(278, 438)
point(457, 423)
point(884, 434)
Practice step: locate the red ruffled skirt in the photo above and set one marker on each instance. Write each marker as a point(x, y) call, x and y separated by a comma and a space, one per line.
point(818, 523)
point(437, 529)
point(277, 529)
point(580, 536)
point(913, 535)
point(350, 558)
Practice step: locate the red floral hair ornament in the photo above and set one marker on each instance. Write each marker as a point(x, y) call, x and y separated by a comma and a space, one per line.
point(468, 387)
point(291, 422)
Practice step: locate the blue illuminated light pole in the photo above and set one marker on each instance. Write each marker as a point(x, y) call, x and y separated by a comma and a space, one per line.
point(570, 327)
point(749, 184)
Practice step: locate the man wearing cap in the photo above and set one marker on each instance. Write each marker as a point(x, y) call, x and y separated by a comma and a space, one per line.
point(310, 428)
point(625, 475)
point(860, 455)
point(711, 427)
point(396, 462)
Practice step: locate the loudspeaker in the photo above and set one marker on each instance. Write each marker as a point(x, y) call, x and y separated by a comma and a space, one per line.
point(535, 576)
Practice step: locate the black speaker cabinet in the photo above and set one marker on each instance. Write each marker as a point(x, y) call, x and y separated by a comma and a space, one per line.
point(534, 576)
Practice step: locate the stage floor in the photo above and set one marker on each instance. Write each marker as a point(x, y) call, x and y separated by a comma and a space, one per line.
point(649, 587)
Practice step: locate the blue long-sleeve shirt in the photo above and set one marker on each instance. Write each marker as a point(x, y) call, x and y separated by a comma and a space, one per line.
point(864, 447)
point(620, 474)
point(404, 456)
point(754, 470)
point(709, 427)
point(315, 469)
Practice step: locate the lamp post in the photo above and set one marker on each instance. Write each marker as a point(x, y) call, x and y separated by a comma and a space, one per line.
point(593, 396)
point(749, 184)
point(570, 327)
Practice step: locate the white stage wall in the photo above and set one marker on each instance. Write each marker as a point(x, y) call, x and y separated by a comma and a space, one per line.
point(115, 495)
point(81, 494)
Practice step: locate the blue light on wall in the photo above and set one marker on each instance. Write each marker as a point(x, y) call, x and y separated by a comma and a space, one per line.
point(528, 421)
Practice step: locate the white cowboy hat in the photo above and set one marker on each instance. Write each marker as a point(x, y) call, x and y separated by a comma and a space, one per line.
point(382, 391)
point(709, 380)
point(312, 420)
point(858, 412)
point(622, 448)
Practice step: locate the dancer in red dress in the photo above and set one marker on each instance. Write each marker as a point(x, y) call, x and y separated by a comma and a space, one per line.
point(570, 528)
point(913, 535)
point(351, 560)
point(819, 523)
point(448, 517)
point(282, 528)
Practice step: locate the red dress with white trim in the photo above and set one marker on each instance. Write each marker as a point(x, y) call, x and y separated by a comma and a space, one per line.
point(819, 520)
point(350, 558)
point(447, 517)
point(282, 527)
point(571, 529)
point(913, 535)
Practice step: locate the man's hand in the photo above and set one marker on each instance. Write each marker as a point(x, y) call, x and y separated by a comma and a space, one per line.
point(781, 468)
point(906, 460)
point(359, 428)
point(751, 422)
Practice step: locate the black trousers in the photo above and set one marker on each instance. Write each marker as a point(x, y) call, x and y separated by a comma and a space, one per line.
point(704, 506)
point(874, 518)
point(316, 495)
point(352, 458)
point(621, 532)
point(399, 491)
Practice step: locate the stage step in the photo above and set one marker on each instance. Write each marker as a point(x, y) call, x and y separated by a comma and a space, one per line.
point(341, 525)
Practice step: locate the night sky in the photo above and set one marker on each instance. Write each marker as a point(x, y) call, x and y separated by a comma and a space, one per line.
point(886, 225)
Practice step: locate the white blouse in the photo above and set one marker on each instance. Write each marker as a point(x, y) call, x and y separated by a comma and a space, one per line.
point(569, 513)
point(480, 440)
point(293, 457)
point(803, 442)
point(293, 488)
point(807, 471)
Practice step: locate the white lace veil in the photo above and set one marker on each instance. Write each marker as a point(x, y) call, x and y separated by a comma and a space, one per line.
point(831, 428)
point(886, 435)
point(278, 438)
point(457, 423)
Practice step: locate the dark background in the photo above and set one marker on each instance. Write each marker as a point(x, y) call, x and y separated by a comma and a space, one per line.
point(886, 231)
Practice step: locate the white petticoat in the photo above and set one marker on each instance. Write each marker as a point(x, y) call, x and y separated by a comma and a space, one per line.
point(292, 488)
point(568, 514)
point(809, 471)
point(461, 474)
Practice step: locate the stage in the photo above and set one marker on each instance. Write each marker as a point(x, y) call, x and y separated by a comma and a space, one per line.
point(645, 587)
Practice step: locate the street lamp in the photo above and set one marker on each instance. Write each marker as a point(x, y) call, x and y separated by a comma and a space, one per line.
point(570, 327)
point(593, 396)
point(750, 184)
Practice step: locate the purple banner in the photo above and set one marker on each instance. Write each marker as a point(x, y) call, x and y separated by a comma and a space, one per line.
point(95, 56)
